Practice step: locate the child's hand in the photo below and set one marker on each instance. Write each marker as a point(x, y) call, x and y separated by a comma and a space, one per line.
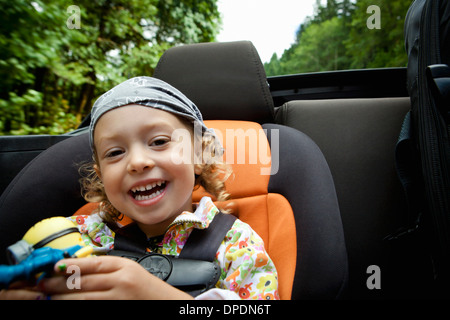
point(106, 277)
point(21, 290)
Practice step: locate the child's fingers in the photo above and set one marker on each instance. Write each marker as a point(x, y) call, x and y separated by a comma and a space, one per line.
point(103, 264)
point(81, 275)
point(106, 277)
point(21, 294)
point(76, 284)
point(85, 274)
point(22, 284)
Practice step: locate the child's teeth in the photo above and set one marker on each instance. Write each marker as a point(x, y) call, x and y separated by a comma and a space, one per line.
point(148, 187)
point(141, 197)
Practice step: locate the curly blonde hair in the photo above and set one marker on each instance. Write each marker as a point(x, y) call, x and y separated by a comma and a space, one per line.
point(214, 173)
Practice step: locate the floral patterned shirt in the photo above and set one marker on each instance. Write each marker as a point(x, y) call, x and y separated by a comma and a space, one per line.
point(247, 272)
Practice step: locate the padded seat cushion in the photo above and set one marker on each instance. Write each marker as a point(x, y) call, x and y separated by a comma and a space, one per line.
point(269, 214)
point(47, 187)
point(358, 139)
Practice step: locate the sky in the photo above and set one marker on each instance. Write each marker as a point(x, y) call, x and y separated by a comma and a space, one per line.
point(270, 24)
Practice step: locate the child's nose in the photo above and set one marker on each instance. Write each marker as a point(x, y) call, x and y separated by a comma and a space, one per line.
point(139, 161)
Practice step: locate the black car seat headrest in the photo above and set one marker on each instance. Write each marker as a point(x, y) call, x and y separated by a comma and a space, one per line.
point(225, 80)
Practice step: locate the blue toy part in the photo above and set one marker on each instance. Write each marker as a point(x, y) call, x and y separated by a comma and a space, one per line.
point(40, 260)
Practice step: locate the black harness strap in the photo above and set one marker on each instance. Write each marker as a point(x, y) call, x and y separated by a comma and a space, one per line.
point(194, 270)
point(130, 238)
point(202, 244)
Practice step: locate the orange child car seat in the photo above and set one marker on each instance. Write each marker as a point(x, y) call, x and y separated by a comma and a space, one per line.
point(294, 208)
point(250, 199)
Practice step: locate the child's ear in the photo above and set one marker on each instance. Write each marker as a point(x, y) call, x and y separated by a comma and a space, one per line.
point(97, 171)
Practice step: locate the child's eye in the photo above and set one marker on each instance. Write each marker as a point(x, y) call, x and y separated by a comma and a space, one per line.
point(159, 142)
point(113, 153)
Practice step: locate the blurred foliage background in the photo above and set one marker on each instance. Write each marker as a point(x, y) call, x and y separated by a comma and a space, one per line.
point(336, 37)
point(56, 60)
point(53, 65)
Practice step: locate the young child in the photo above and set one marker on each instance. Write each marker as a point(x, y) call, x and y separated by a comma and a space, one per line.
point(142, 171)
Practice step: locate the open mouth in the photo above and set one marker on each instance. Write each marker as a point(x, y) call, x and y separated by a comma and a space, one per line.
point(148, 191)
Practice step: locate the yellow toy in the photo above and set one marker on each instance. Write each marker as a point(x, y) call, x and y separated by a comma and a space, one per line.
point(44, 244)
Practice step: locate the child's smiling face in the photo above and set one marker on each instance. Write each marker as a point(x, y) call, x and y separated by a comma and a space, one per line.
point(134, 150)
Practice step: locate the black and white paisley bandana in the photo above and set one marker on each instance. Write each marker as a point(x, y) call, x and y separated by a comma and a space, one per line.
point(146, 91)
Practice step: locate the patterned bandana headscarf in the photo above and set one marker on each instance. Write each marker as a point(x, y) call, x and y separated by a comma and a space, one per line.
point(145, 91)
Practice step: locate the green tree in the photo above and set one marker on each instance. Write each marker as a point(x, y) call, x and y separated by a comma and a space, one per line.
point(53, 68)
point(274, 66)
point(337, 37)
point(319, 41)
point(375, 48)
point(320, 48)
